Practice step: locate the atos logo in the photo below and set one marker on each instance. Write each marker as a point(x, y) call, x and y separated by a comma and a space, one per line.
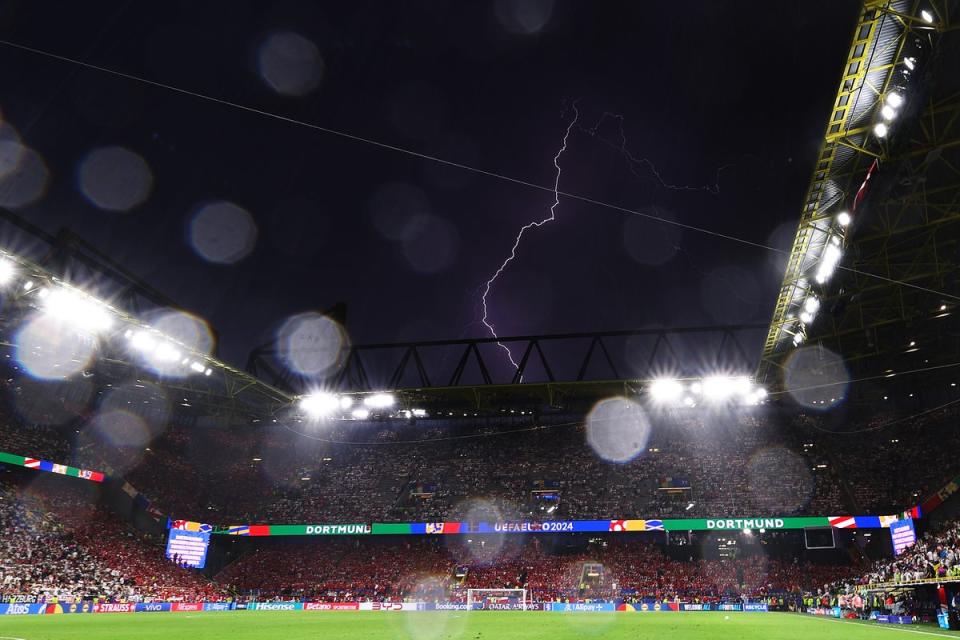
point(18, 609)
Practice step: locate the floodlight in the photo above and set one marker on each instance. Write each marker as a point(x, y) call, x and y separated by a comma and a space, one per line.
point(888, 112)
point(927, 16)
point(811, 304)
point(910, 62)
point(379, 401)
point(166, 352)
point(894, 99)
point(197, 366)
point(805, 317)
point(881, 130)
point(319, 404)
point(77, 309)
point(798, 339)
point(7, 271)
point(843, 218)
point(828, 262)
point(360, 413)
point(718, 387)
point(665, 390)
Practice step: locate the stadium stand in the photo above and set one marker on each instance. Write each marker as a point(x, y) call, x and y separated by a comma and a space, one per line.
point(57, 545)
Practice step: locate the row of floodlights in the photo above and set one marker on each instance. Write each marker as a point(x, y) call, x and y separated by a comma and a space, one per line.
point(894, 100)
point(709, 390)
point(322, 404)
point(83, 312)
point(888, 112)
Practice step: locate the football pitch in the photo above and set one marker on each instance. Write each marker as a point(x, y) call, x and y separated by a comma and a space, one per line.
point(449, 625)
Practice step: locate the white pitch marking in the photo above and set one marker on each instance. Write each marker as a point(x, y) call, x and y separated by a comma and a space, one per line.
point(893, 628)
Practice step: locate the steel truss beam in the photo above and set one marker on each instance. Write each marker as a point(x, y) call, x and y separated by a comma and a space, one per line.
point(848, 154)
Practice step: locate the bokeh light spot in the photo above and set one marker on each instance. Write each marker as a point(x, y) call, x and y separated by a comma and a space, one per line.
point(52, 350)
point(26, 183)
point(311, 344)
point(816, 377)
point(617, 429)
point(524, 17)
point(115, 179)
point(290, 64)
point(223, 233)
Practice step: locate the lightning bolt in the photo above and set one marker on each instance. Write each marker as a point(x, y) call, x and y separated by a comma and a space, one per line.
point(516, 243)
point(633, 161)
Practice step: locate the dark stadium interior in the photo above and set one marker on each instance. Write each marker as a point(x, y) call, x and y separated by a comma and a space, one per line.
point(520, 304)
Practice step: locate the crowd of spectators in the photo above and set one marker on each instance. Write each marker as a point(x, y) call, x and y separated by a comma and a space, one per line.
point(57, 545)
point(428, 568)
point(735, 465)
point(935, 556)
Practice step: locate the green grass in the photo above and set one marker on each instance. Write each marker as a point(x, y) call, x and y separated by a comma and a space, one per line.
point(448, 625)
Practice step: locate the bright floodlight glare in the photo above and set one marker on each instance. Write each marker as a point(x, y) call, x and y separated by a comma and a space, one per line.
point(665, 390)
point(718, 387)
point(319, 404)
point(811, 304)
point(881, 130)
point(910, 62)
point(894, 99)
point(761, 393)
point(78, 310)
point(828, 263)
point(798, 339)
point(360, 413)
point(888, 112)
point(346, 402)
point(805, 317)
point(7, 271)
point(843, 218)
point(927, 16)
point(379, 401)
point(419, 413)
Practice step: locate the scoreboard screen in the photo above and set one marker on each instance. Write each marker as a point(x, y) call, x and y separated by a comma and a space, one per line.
point(903, 534)
point(188, 548)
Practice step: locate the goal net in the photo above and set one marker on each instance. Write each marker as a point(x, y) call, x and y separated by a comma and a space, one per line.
point(511, 599)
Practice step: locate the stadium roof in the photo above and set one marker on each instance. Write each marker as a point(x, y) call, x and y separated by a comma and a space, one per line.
point(885, 194)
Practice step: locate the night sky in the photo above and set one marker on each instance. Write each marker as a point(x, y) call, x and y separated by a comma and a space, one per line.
point(407, 243)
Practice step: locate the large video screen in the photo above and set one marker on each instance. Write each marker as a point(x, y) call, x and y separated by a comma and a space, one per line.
point(188, 548)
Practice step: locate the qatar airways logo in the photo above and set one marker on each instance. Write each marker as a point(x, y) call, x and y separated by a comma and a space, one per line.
point(746, 523)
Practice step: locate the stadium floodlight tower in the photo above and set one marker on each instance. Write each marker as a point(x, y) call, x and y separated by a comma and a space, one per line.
point(498, 598)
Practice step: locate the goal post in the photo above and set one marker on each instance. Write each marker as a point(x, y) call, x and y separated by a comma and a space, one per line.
point(497, 599)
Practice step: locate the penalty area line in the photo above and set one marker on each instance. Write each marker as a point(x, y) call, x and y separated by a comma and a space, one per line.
point(890, 628)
